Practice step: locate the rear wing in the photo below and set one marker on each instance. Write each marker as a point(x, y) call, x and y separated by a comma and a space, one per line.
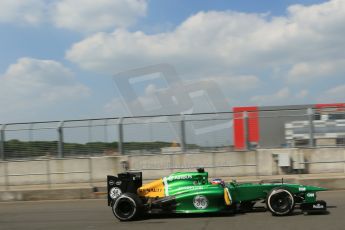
point(122, 183)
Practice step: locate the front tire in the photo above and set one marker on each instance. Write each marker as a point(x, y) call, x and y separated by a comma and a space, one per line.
point(280, 202)
point(127, 207)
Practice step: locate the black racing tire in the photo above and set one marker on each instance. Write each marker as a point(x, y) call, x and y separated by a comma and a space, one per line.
point(280, 202)
point(127, 207)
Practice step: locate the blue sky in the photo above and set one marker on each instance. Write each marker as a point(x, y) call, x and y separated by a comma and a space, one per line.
point(58, 57)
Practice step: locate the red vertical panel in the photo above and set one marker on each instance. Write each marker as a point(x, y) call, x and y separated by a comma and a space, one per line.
point(238, 128)
point(253, 125)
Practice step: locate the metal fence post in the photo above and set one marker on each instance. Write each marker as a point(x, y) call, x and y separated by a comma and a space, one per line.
point(90, 172)
point(48, 174)
point(310, 113)
point(344, 160)
point(2, 143)
point(120, 132)
point(105, 130)
point(257, 174)
point(7, 179)
point(89, 131)
point(31, 149)
point(246, 130)
point(60, 140)
point(182, 134)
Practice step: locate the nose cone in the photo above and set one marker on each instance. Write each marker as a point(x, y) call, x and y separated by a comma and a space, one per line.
point(315, 189)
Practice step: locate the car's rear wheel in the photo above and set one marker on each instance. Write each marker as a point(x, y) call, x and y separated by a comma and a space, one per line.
point(280, 202)
point(127, 206)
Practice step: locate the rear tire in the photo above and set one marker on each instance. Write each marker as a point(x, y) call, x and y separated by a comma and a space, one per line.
point(127, 207)
point(280, 202)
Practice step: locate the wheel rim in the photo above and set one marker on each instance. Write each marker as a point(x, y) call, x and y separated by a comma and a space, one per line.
point(124, 208)
point(281, 202)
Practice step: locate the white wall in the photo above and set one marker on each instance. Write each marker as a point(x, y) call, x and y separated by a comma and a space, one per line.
point(154, 166)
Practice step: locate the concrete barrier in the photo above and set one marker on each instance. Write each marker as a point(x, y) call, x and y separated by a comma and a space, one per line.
point(69, 170)
point(325, 155)
point(58, 171)
point(261, 162)
point(217, 163)
point(35, 171)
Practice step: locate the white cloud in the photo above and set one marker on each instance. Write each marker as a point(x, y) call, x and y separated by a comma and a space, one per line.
point(204, 41)
point(32, 84)
point(223, 43)
point(91, 15)
point(277, 98)
point(150, 89)
point(77, 15)
point(22, 11)
point(283, 96)
point(302, 94)
point(310, 71)
point(116, 108)
point(237, 84)
point(335, 94)
point(147, 100)
point(267, 52)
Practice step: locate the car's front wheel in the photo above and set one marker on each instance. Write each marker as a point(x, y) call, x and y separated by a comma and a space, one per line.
point(127, 206)
point(280, 202)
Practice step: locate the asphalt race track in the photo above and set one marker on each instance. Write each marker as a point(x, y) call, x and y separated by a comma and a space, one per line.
point(94, 214)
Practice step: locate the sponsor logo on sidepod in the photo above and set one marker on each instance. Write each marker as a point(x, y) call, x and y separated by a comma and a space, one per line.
point(200, 202)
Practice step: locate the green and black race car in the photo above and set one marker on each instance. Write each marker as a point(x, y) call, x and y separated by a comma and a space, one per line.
point(191, 192)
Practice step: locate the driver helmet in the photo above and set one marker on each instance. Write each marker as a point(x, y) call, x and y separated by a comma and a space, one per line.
point(218, 181)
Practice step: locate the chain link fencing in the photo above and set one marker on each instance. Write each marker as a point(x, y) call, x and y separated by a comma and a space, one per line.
point(190, 133)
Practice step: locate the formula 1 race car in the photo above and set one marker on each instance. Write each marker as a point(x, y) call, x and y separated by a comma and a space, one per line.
point(191, 192)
